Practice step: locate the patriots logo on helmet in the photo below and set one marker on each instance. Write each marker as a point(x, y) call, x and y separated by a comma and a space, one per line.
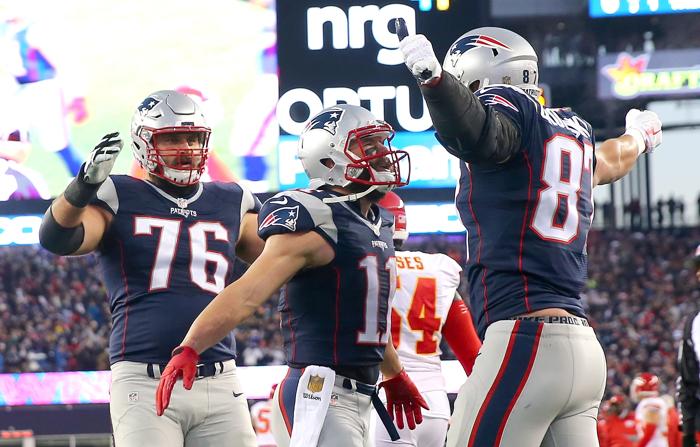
point(327, 121)
point(148, 104)
point(283, 217)
point(467, 43)
point(497, 100)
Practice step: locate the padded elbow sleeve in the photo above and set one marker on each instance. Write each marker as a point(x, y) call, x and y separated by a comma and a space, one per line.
point(59, 239)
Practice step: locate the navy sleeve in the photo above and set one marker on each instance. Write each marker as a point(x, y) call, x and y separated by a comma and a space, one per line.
point(296, 212)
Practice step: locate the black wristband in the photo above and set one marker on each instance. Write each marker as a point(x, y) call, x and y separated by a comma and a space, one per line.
point(59, 239)
point(79, 193)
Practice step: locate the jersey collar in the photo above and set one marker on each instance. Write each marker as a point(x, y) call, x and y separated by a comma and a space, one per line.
point(179, 201)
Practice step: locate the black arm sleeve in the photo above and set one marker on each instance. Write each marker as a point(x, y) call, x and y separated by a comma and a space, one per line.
point(59, 239)
point(466, 128)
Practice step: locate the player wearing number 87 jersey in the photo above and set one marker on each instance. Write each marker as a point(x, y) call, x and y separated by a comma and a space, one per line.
point(425, 308)
point(167, 246)
point(525, 198)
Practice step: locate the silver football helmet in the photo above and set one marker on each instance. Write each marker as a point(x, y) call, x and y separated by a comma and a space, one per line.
point(345, 144)
point(168, 112)
point(493, 56)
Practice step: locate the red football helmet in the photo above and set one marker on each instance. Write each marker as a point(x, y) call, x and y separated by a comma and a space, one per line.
point(615, 405)
point(392, 202)
point(644, 385)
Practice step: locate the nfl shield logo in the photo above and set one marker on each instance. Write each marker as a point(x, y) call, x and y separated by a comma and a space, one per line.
point(181, 203)
point(315, 384)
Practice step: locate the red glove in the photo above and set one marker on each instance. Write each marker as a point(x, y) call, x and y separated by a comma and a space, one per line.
point(183, 365)
point(403, 397)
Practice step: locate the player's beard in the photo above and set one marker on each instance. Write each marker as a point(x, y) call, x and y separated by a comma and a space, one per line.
point(374, 196)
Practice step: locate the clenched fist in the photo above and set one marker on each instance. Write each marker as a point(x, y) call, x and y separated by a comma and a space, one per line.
point(645, 127)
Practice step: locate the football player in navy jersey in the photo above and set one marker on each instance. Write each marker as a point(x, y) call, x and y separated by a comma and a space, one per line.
point(335, 253)
point(525, 198)
point(167, 246)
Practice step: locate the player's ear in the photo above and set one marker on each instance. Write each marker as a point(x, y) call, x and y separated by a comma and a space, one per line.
point(474, 86)
point(327, 162)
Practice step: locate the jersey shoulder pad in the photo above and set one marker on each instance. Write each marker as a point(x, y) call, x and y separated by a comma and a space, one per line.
point(448, 264)
point(296, 212)
point(512, 102)
point(449, 268)
point(509, 99)
point(567, 120)
point(231, 191)
point(107, 196)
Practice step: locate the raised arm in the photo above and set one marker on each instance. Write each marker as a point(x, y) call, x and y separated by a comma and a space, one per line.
point(617, 156)
point(466, 128)
point(70, 226)
point(283, 256)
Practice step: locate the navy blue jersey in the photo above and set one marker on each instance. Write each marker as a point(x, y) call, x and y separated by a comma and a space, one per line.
point(528, 218)
point(337, 314)
point(164, 259)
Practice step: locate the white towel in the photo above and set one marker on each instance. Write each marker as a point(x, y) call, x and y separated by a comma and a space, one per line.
point(312, 400)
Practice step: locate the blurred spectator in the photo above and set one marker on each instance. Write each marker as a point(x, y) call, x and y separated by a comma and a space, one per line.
point(660, 213)
point(672, 207)
point(634, 209)
point(681, 210)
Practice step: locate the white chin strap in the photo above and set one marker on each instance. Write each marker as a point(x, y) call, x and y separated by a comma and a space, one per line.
point(350, 197)
point(383, 176)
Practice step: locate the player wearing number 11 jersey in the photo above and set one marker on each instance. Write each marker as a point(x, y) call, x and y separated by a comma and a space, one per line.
point(167, 245)
point(525, 198)
point(332, 251)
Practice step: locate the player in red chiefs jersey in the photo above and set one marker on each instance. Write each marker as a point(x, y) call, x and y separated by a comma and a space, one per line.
point(656, 420)
point(426, 307)
point(616, 425)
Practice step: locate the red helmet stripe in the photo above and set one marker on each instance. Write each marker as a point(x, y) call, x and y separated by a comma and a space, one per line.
point(492, 41)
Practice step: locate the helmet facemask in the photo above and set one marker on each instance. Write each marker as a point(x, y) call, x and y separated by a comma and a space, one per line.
point(170, 137)
point(180, 165)
point(372, 161)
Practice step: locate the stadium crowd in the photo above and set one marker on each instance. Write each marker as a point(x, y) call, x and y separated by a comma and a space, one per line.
point(54, 313)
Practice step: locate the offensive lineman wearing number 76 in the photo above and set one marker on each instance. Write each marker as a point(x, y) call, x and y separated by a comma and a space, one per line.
point(525, 198)
point(167, 246)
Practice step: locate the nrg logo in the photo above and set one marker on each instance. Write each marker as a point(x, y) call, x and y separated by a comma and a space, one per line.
point(347, 28)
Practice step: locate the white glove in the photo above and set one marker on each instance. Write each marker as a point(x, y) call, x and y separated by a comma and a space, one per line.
point(645, 127)
point(420, 58)
point(102, 158)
